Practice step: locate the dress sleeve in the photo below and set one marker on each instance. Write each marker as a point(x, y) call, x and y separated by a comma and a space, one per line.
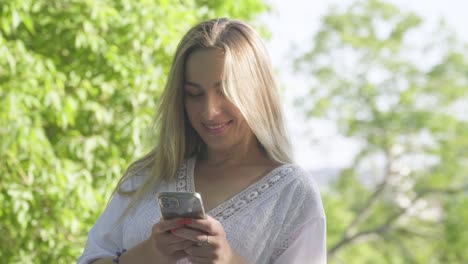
point(309, 246)
point(105, 237)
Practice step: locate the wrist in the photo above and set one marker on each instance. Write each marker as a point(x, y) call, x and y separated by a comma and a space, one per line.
point(237, 259)
point(150, 249)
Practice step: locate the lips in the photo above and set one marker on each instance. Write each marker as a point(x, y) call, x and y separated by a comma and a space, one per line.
point(217, 128)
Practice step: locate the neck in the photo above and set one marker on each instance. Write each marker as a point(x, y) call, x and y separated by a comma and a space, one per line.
point(238, 155)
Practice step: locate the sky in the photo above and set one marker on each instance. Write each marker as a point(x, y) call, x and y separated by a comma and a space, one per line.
point(317, 145)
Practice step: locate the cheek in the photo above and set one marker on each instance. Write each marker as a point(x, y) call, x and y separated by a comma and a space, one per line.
point(234, 111)
point(191, 112)
point(241, 123)
point(244, 127)
point(238, 116)
point(188, 111)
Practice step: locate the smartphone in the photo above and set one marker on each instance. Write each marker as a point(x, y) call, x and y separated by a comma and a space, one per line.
point(181, 205)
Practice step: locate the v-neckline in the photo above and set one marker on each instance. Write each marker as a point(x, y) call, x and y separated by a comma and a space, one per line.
point(240, 200)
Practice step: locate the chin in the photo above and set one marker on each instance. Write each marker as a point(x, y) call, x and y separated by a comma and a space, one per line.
point(219, 146)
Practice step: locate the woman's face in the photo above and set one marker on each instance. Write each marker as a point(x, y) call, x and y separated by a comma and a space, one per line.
point(217, 121)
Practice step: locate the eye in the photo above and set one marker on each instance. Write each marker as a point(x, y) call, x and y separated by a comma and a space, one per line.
point(191, 92)
point(193, 95)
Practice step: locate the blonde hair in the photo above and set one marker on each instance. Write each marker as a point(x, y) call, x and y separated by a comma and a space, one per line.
point(248, 83)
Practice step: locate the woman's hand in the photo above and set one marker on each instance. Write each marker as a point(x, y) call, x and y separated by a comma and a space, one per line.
point(168, 247)
point(209, 240)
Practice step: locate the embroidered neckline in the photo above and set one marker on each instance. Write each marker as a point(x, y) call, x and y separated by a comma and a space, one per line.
point(185, 183)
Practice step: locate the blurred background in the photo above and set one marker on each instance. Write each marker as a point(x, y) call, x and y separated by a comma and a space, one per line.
point(376, 97)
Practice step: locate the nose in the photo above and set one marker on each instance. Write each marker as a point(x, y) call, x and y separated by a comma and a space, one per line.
point(212, 107)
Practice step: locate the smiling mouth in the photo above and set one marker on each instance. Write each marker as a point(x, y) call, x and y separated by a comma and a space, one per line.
point(217, 128)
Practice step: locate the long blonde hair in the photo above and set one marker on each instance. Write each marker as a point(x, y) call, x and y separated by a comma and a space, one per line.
point(248, 83)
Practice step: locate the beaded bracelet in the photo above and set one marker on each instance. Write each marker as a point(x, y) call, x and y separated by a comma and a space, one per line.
point(119, 253)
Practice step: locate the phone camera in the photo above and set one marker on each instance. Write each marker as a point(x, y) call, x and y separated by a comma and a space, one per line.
point(169, 202)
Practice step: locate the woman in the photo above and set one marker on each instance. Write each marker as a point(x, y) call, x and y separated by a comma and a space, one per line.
point(221, 133)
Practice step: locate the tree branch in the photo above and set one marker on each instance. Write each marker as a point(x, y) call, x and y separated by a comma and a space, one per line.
point(403, 249)
point(385, 227)
point(365, 210)
point(412, 232)
point(447, 191)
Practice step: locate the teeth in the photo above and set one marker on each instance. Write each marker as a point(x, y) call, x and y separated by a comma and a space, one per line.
point(215, 126)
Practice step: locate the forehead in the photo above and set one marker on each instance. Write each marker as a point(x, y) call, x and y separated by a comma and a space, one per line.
point(204, 66)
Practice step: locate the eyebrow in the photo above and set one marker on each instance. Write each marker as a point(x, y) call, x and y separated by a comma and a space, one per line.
point(216, 84)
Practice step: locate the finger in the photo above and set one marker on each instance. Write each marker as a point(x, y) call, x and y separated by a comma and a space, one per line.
point(208, 225)
point(199, 260)
point(168, 238)
point(179, 255)
point(181, 246)
point(190, 234)
point(166, 225)
point(204, 251)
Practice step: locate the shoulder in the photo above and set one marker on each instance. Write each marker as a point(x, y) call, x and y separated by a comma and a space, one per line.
point(302, 180)
point(301, 191)
point(135, 180)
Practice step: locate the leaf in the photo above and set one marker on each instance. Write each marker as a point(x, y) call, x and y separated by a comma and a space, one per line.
point(79, 82)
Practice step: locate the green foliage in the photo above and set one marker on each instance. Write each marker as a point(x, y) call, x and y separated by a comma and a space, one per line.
point(455, 230)
point(79, 81)
point(404, 100)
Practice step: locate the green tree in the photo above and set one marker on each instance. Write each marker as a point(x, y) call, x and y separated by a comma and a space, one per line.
point(404, 199)
point(79, 81)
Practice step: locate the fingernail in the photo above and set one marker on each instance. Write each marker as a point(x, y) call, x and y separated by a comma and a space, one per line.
point(188, 221)
point(181, 222)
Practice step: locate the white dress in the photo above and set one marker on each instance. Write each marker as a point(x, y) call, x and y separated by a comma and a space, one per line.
point(278, 219)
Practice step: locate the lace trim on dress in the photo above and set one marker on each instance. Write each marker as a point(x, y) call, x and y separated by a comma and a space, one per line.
point(181, 183)
point(185, 183)
point(251, 194)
